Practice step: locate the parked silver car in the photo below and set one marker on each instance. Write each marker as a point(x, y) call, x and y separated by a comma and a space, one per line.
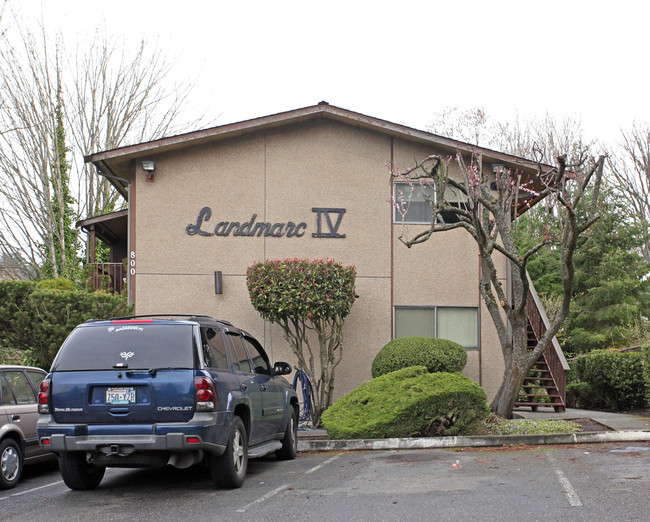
point(18, 416)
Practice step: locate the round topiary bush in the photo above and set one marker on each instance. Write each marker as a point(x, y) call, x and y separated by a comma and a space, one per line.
point(408, 403)
point(437, 355)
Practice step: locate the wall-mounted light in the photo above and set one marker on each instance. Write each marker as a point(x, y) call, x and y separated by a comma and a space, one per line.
point(149, 166)
point(218, 282)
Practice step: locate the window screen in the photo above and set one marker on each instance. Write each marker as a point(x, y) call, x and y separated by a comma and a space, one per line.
point(412, 206)
point(415, 322)
point(459, 325)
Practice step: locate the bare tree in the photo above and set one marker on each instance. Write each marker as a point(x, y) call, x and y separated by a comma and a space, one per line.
point(108, 96)
point(487, 215)
point(120, 99)
point(540, 139)
point(631, 171)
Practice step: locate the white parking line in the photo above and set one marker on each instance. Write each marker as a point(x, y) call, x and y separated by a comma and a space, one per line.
point(33, 489)
point(572, 496)
point(285, 486)
point(316, 468)
point(263, 498)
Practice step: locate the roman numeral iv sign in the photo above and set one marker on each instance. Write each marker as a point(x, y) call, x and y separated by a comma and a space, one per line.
point(324, 216)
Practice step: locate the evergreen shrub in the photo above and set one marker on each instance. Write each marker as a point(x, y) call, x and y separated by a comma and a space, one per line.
point(410, 402)
point(437, 355)
point(616, 378)
point(35, 318)
point(581, 395)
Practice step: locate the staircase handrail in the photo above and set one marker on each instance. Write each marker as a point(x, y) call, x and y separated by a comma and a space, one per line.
point(533, 300)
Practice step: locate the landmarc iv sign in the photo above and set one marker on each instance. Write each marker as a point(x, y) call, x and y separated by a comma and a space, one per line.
point(328, 221)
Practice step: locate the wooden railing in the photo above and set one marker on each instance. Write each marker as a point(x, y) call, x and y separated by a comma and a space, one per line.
point(108, 276)
point(553, 355)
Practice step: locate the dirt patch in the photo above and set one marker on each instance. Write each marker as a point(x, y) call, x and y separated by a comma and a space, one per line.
point(591, 425)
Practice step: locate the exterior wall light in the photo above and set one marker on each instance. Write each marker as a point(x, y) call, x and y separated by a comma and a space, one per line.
point(149, 166)
point(218, 283)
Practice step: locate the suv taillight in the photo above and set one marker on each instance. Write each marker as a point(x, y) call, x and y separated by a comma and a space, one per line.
point(44, 396)
point(205, 396)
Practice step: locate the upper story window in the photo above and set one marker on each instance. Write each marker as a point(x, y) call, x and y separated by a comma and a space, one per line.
point(411, 207)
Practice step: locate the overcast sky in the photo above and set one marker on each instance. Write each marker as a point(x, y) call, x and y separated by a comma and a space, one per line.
point(400, 61)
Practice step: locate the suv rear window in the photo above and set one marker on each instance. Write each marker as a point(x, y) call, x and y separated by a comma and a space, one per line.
point(132, 345)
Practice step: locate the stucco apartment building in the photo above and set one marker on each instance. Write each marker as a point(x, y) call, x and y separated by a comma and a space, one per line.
point(310, 183)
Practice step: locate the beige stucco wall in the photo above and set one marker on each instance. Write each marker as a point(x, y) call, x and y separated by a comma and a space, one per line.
point(280, 176)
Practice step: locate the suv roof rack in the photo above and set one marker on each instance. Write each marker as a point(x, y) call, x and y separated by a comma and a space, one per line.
point(190, 317)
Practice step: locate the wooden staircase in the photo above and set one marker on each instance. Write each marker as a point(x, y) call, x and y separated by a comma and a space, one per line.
point(545, 384)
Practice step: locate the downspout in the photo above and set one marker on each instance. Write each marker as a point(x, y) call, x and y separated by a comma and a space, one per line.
point(392, 247)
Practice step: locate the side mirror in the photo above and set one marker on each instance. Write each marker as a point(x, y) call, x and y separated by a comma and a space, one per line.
point(281, 368)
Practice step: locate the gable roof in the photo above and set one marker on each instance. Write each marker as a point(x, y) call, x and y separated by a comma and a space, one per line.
point(115, 164)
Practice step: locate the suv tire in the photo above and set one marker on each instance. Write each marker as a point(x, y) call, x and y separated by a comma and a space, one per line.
point(290, 439)
point(229, 470)
point(77, 473)
point(11, 463)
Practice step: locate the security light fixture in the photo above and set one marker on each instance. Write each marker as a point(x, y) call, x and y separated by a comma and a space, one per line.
point(149, 166)
point(218, 283)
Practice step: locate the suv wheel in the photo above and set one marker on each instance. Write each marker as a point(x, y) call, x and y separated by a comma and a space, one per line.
point(11, 463)
point(78, 473)
point(290, 439)
point(229, 470)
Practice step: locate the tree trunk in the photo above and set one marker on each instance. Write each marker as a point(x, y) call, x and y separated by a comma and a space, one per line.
point(508, 393)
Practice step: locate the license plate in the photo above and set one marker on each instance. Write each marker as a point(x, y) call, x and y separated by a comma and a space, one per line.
point(120, 396)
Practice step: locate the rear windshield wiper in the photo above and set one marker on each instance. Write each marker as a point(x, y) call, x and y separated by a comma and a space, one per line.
point(150, 371)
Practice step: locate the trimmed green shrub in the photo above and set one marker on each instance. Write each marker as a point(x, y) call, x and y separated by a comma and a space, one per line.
point(437, 355)
point(616, 378)
point(580, 395)
point(408, 403)
point(35, 318)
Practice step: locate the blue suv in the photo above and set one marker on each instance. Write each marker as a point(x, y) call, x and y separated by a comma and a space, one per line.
point(152, 391)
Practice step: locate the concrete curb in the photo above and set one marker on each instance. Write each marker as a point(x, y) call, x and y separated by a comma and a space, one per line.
point(471, 442)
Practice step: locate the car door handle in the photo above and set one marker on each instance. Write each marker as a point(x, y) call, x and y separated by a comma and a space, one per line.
point(15, 417)
point(263, 387)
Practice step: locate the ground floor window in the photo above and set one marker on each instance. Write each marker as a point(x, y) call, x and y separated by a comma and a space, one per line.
point(458, 324)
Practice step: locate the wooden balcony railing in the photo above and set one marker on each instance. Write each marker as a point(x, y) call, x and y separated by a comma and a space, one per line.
point(109, 277)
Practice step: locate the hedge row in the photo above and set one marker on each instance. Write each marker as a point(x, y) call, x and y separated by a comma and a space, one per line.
point(611, 380)
point(36, 317)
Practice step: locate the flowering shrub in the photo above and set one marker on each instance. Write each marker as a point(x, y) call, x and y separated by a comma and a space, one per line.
point(297, 287)
point(307, 299)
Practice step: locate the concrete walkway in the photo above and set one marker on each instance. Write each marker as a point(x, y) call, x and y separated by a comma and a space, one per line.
point(624, 428)
point(613, 421)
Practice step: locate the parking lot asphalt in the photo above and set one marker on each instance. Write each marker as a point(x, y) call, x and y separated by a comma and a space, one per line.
point(617, 427)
